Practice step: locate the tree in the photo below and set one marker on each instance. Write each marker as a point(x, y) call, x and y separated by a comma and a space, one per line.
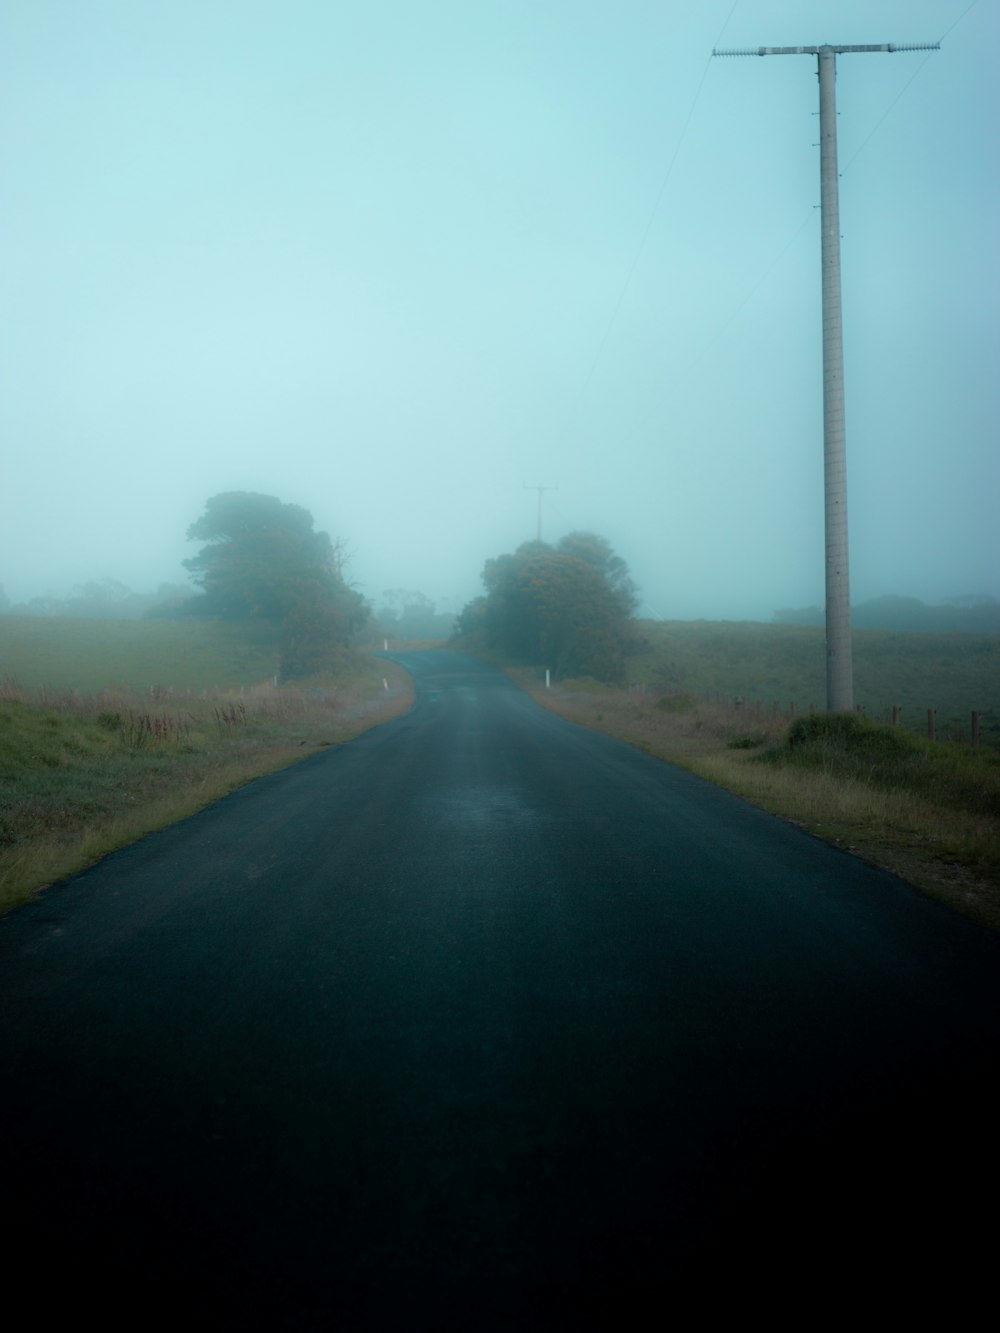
point(262, 557)
point(264, 562)
point(565, 607)
point(598, 553)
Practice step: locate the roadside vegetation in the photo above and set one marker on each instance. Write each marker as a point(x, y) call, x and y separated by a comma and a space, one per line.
point(927, 811)
point(86, 768)
point(110, 728)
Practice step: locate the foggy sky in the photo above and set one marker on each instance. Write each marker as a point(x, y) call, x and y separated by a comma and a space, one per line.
point(398, 261)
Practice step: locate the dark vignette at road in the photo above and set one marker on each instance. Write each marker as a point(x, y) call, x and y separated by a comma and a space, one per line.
point(485, 1021)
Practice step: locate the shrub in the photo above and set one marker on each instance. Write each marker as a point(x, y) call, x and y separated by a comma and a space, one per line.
point(747, 743)
point(846, 745)
point(851, 734)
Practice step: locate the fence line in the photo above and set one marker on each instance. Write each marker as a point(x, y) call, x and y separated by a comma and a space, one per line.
point(755, 707)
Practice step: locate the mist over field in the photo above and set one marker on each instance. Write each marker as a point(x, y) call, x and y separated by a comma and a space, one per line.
point(405, 264)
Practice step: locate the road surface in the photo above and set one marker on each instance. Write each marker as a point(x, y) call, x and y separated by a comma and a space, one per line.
point(485, 1021)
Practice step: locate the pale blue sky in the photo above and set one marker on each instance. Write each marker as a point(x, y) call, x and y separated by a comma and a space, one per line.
point(393, 261)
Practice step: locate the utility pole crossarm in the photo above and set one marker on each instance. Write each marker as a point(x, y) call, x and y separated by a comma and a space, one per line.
point(815, 50)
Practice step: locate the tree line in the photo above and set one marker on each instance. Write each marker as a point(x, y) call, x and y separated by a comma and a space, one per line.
point(263, 564)
point(567, 607)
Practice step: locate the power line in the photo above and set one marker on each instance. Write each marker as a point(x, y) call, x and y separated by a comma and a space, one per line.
point(741, 306)
point(915, 75)
point(885, 114)
point(961, 16)
point(652, 216)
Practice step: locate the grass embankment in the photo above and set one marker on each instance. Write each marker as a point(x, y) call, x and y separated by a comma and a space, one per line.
point(928, 811)
point(84, 770)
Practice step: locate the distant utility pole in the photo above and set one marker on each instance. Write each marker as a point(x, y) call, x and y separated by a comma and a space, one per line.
point(839, 667)
point(541, 490)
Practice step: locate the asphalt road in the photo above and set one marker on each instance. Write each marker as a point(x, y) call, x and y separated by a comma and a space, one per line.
point(485, 1021)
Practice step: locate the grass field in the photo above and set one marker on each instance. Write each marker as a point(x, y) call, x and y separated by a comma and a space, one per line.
point(91, 655)
point(786, 664)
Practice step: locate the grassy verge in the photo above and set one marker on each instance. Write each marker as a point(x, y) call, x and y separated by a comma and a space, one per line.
point(929, 812)
point(82, 774)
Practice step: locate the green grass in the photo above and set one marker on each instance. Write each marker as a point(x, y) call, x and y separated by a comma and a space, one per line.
point(852, 747)
point(87, 766)
point(92, 655)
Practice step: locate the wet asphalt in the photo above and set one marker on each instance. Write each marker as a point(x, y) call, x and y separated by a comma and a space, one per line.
point(485, 1021)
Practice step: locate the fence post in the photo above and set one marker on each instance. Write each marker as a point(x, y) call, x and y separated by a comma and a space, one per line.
point(931, 714)
point(791, 710)
point(975, 728)
point(895, 715)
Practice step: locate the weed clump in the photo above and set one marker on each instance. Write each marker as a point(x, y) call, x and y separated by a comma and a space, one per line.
point(230, 715)
point(850, 734)
point(746, 742)
point(847, 745)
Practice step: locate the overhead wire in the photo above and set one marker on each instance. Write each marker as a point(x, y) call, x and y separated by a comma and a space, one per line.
point(649, 224)
point(769, 269)
point(745, 301)
point(961, 16)
point(652, 216)
point(915, 75)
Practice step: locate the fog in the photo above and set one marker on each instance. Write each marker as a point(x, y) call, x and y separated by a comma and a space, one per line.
point(402, 262)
